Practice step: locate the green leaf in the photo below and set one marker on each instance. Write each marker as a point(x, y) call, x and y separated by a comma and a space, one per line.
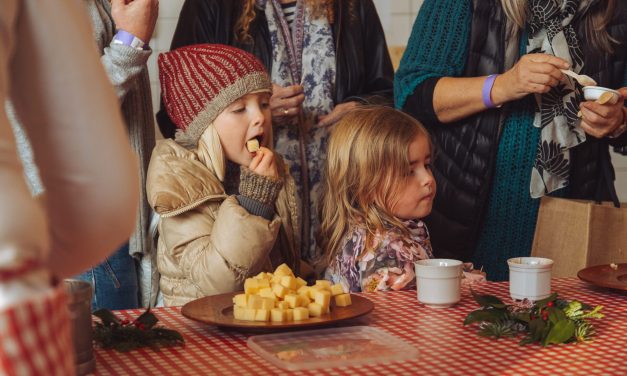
point(107, 317)
point(488, 301)
point(536, 328)
point(560, 333)
point(486, 314)
point(556, 315)
point(522, 316)
point(148, 319)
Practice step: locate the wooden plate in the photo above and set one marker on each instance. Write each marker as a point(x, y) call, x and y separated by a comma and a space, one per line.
point(218, 310)
point(605, 276)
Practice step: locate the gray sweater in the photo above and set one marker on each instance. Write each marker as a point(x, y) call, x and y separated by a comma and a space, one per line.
point(127, 71)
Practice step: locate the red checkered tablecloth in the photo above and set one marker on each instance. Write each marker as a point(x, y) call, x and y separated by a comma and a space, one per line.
point(445, 345)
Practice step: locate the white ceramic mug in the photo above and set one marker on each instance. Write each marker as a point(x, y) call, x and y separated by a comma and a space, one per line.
point(530, 277)
point(438, 282)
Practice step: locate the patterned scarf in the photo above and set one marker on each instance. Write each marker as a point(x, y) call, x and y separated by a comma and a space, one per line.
point(551, 32)
point(304, 54)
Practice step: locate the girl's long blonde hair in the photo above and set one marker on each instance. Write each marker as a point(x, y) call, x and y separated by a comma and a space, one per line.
point(367, 163)
point(596, 21)
point(247, 15)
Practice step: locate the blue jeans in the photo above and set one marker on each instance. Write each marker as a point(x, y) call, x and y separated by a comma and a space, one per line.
point(115, 282)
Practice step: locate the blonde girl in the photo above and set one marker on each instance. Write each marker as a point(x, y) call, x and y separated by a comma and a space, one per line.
point(378, 185)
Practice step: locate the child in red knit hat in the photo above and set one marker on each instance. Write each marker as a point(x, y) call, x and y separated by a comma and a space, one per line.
point(226, 202)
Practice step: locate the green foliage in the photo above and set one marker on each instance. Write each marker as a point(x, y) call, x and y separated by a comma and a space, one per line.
point(123, 336)
point(548, 321)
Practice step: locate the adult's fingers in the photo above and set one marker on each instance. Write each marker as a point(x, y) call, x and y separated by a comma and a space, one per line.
point(543, 79)
point(605, 111)
point(547, 69)
point(550, 59)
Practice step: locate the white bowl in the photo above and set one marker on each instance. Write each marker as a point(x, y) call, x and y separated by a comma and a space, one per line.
point(592, 93)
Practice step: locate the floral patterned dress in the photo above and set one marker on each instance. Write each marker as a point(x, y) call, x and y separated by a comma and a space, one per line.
point(388, 265)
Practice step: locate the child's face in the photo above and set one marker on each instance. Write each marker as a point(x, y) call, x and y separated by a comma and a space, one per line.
point(416, 197)
point(246, 118)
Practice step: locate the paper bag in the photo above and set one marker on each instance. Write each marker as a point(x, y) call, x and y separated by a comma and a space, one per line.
point(576, 234)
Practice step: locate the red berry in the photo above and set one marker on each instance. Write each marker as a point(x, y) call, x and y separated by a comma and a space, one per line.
point(125, 322)
point(550, 304)
point(141, 326)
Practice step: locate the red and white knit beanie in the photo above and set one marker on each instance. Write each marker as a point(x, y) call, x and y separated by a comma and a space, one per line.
point(198, 82)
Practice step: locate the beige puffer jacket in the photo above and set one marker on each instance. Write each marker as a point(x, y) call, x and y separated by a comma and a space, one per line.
point(208, 244)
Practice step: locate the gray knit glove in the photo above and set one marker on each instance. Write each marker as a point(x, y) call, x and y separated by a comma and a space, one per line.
point(258, 193)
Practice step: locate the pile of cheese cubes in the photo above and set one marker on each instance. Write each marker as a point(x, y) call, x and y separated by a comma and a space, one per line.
point(282, 297)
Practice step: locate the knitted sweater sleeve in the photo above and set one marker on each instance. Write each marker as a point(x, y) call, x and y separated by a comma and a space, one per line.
point(437, 47)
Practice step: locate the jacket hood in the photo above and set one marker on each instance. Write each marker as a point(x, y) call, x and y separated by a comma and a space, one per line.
point(179, 179)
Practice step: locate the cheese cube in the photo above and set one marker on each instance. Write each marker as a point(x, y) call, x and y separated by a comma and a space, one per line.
point(343, 300)
point(293, 300)
point(323, 298)
point(303, 290)
point(337, 289)
point(279, 290)
point(240, 300)
point(238, 313)
point(282, 305)
point(283, 270)
point(278, 315)
point(254, 301)
point(262, 315)
point(300, 282)
point(304, 300)
point(289, 282)
point(248, 314)
point(300, 313)
point(263, 275)
point(266, 292)
point(263, 283)
point(251, 286)
point(267, 303)
point(252, 145)
point(276, 279)
point(316, 310)
point(313, 290)
point(290, 314)
point(326, 285)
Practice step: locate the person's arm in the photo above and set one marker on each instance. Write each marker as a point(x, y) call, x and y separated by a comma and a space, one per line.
point(78, 137)
point(429, 84)
point(122, 59)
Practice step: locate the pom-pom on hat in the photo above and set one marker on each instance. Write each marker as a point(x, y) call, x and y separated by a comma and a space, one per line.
point(198, 82)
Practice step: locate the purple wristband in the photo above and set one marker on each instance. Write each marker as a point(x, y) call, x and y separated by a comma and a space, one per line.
point(130, 40)
point(487, 90)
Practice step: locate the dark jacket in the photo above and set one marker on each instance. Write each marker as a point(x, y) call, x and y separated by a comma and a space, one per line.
point(466, 150)
point(363, 67)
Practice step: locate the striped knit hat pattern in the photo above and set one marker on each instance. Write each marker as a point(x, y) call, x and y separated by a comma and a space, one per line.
point(198, 82)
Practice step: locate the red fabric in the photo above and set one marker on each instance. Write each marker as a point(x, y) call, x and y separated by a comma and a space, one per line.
point(35, 337)
point(192, 76)
point(445, 345)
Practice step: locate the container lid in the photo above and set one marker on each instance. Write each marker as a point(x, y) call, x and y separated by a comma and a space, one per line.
point(336, 347)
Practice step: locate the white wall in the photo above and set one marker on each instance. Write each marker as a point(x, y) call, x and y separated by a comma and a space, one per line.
point(397, 17)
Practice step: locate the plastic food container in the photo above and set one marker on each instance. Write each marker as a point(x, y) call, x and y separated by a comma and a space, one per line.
point(336, 347)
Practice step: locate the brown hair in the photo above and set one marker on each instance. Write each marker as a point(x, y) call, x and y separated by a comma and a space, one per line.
point(595, 21)
point(366, 167)
point(248, 14)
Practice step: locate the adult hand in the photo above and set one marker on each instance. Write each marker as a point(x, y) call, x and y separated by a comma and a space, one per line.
point(137, 17)
point(532, 74)
point(263, 163)
point(285, 102)
point(602, 120)
point(337, 113)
